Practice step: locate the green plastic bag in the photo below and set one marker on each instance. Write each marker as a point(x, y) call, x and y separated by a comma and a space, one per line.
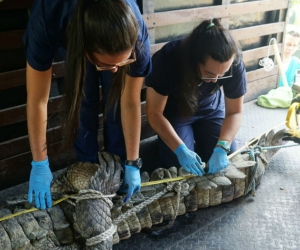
point(280, 97)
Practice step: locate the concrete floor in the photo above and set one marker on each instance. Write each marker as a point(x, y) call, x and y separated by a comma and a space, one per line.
point(270, 220)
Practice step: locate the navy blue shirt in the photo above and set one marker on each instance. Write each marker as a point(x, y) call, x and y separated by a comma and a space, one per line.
point(166, 76)
point(46, 30)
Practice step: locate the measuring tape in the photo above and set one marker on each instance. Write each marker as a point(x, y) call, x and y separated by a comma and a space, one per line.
point(31, 209)
point(150, 183)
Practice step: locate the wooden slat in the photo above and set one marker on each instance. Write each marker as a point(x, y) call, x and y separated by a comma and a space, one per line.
point(260, 74)
point(259, 30)
point(11, 39)
point(16, 78)
point(261, 52)
point(20, 145)
point(12, 115)
point(260, 87)
point(248, 55)
point(58, 69)
point(156, 47)
point(16, 169)
point(195, 14)
point(12, 79)
point(15, 4)
point(146, 129)
point(18, 113)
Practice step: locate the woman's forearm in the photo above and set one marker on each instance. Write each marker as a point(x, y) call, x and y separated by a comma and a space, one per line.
point(164, 130)
point(38, 88)
point(131, 115)
point(230, 127)
point(155, 106)
point(131, 124)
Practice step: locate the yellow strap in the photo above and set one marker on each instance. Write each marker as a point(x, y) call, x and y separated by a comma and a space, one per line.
point(291, 117)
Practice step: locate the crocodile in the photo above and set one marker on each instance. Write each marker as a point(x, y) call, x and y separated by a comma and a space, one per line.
point(68, 225)
point(91, 215)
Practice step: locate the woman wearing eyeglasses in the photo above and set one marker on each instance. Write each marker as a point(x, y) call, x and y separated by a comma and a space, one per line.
point(106, 43)
point(185, 103)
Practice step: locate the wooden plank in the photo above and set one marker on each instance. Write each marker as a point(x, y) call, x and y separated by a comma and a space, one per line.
point(221, 11)
point(258, 30)
point(18, 113)
point(260, 87)
point(226, 20)
point(15, 4)
point(11, 39)
point(248, 55)
point(20, 145)
point(16, 78)
point(255, 75)
point(58, 69)
point(260, 52)
point(12, 79)
point(12, 115)
point(156, 47)
point(16, 169)
point(148, 7)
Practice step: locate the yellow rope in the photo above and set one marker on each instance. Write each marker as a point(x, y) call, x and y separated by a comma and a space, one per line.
point(144, 184)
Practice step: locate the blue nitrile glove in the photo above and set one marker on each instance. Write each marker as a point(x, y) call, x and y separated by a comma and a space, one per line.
point(39, 183)
point(189, 160)
point(131, 181)
point(218, 160)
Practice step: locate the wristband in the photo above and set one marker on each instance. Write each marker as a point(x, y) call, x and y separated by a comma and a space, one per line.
point(137, 163)
point(224, 144)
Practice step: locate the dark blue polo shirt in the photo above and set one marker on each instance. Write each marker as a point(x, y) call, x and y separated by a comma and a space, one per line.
point(46, 30)
point(166, 75)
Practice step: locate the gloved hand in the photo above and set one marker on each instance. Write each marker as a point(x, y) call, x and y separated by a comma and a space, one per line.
point(39, 183)
point(189, 160)
point(131, 182)
point(217, 161)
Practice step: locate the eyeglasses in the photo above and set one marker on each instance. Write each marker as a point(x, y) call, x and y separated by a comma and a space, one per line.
point(217, 87)
point(218, 78)
point(111, 67)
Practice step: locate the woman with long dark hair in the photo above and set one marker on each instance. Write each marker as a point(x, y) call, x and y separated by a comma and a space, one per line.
point(106, 43)
point(185, 102)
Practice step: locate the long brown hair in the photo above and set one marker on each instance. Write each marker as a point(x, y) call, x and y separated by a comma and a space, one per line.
point(105, 27)
point(209, 38)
